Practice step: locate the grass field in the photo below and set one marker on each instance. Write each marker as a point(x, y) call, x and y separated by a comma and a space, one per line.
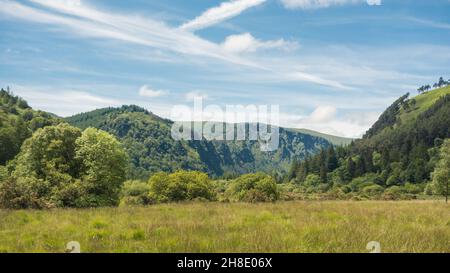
point(332, 226)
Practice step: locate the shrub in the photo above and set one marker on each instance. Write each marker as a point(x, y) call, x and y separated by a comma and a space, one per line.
point(135, 192)
point(3, 173)
point(256, 187)
point(360, 183)
point(414, 188)
point(393, 193)
point(16, 194)
point(373, 190)
point(180, 186)
point(429, 189)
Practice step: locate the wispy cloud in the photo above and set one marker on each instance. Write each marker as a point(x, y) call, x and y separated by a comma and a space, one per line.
point(325, 119)
point(247, 43)
point(132, 29)
point(146, 91)
point(80, 19)
point(315, 4)
point(66, 102)
point(429, 23)
point(224, 11)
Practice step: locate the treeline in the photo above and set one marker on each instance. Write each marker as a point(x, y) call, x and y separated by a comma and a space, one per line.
point(197, 186)
point(148, 141)
point(62, 166)
point(439, 84)
point(59, 165)
point(388, 160)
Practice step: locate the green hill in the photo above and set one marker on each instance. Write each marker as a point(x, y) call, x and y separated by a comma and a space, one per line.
point(400, 149)
point(148, 141)
point(17, 122)
point(421, 103)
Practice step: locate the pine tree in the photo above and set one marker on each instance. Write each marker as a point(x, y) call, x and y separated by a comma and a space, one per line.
point(351, 167)
point(332, 160)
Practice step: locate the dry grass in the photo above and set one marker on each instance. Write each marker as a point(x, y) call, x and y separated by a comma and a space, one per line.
point(332, 226)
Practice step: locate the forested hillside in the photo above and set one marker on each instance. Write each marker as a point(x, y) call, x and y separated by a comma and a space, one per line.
point(17, 122)
point(399, 153)
point(147, 139)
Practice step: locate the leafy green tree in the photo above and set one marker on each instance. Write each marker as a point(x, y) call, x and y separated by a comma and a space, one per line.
point(323, 174)
point(61, 167)
point(312, 180)
point(292, 171)
point(103, 165)
point(441, 174)
point(376, 160)
point(49, 154)
point(302, 172)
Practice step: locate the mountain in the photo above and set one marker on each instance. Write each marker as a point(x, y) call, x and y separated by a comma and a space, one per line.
point(147, 138)
point(400, 149)
point(17, 122)
point(335, 140)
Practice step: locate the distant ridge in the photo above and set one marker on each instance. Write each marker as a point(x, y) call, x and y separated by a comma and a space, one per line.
point(336, 140)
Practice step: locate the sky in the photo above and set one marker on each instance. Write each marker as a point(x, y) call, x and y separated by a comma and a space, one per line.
point(331, 65)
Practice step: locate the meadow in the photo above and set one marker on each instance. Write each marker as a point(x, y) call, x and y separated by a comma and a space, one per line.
point(298, 226)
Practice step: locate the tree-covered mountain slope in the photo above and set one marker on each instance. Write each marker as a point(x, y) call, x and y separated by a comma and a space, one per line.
point(148, 141)
point(17, 122)
point(400, 149)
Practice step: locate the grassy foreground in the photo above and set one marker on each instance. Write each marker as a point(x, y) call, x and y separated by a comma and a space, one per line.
point(332, 226)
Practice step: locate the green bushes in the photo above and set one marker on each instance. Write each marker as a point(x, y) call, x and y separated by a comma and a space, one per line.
point(256, 187)
point(193, 185)
point(60, 166)
point(180, 186)
point(135, 193)
point(165, 187)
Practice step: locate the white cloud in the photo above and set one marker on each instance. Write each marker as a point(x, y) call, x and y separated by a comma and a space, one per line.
point(247, 43)
point(374, 2)
point(314, 4)
point(65, 102)
point(86, 21)
point(146, 91)
point(190, 96)
point(216, 15)
point(323, 114)
point(324, 119)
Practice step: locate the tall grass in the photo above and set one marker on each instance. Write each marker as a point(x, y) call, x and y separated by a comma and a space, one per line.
point(332, 226)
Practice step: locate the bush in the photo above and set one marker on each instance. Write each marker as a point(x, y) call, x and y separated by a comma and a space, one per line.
point(429, 189)
point(367, 180)
point(256, 187)
point(393, 193)
point(3, 173)
point(373, 190)
point(180, 186)
point(135, 193)
point(414, 188)
point(16, 194)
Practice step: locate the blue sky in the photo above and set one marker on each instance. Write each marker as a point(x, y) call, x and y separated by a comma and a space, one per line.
point(331, 65)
